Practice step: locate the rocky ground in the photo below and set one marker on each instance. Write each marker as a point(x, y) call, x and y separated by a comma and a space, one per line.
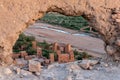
point(79, 70)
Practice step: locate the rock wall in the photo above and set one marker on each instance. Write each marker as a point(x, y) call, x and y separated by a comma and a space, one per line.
point(17, 15)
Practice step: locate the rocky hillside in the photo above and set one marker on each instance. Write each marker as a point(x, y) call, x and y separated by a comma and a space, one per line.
point(80, 70)
point(16, 16)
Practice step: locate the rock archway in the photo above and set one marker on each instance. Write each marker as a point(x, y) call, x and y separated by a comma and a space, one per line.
point(16, 15)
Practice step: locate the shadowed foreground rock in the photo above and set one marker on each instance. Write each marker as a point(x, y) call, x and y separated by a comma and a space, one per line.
point(17, 15)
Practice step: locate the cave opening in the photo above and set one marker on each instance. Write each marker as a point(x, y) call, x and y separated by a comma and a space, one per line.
point(63, 30)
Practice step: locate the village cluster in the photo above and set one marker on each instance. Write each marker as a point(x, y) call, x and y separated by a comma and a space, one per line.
point(64, 54)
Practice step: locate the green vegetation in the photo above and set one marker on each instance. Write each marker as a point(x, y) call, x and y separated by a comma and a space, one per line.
point(45, 48)
point(81, 55)
point(70, 22)
point(24, 43)
point(44, 44)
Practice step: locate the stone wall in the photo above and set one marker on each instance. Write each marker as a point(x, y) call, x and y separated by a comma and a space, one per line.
point(17, 15)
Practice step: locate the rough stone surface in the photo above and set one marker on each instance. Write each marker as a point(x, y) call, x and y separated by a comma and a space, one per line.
point(7, 71)
point(34, 66)
point(25, 73)
point(67, 71)
point(87, 64)
point(20, 62)
point(17, 15)
point(118, 42)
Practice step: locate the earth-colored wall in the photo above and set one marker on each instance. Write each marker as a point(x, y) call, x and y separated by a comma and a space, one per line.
point(16, 15)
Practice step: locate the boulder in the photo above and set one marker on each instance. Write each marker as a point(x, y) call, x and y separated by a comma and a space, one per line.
point(69, 78)
point(73, 67)
point(7, 71)
point(37, 73)
point(34, 66)
point(8, 60)
point(25, 73)
point(87, 64)
point(18, 70)
point(118, 42)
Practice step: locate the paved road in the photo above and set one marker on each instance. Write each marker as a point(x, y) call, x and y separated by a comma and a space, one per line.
point(52, 34)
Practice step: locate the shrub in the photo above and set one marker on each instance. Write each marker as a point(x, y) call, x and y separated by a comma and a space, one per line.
point(81, 55)
point(45, 48)
point(46, 53)
point(71, 22)
point(44, 44)
point(24, 43)
point(31, 51)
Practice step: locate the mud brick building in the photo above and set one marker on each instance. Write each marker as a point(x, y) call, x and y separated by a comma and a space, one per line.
point(34, 45)
point(63, 55)
point(63, 58)
point(28, 57)
point(23, 54)
point(52, 59)
point(68, 48)
point(39, 52)
point(16, 55)
point(47, 62)
point(68, 56)
point(58, 52)
point(71, 56)
point(55, 47)
point(62, 48)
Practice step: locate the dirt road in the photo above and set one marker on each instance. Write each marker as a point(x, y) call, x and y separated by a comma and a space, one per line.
point(42, 31)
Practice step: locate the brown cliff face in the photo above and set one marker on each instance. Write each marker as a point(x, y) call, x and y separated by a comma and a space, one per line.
point(16, 15)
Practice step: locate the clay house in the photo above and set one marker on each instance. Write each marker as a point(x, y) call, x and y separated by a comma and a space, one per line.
point(68, 48)
point(63, 54)
point(16, 55)
point(55, 47)
point(58, 52)
point(34, 45)
point(71, 56)
point(23, 54)
point(39, 52)
point(63, 58)
point(68, 56)
point(52, 58)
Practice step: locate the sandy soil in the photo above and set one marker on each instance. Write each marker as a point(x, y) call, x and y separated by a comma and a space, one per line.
point(92, 45)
